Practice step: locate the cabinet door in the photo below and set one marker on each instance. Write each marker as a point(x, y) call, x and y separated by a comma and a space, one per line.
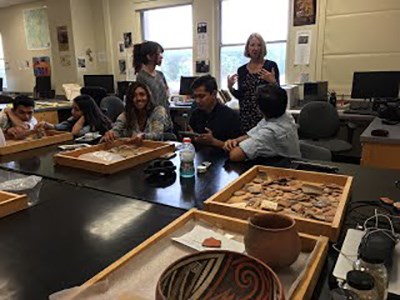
point(48, 116)
point(381, 155)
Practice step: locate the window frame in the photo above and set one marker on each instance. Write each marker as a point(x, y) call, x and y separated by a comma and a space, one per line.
point(218, 68)
point(191, 48)
point(4, 63)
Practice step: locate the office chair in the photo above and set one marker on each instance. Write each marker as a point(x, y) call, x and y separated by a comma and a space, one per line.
point(6, 99)
point(97, 93)
point(319, 124)
point(112, 106)
point(313, 152)
point(122, 88)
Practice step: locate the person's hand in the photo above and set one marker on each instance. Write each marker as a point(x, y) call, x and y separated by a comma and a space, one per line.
point(206, 138)
point(108, 137)
point(268, 76)
point(43, 125)
point(230, 144)
point(17, 133)
point(137, 139)
point(232, 79)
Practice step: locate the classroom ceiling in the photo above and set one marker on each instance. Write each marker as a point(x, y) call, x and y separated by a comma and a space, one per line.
point(6, 3)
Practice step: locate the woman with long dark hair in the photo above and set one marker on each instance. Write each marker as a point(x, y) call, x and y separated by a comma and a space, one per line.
point(86, 117)
point(141, 118)
point(147, 56)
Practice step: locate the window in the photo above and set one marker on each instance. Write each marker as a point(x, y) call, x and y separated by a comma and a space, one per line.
point(240, 18)
point(2, 64)
point(176, 37)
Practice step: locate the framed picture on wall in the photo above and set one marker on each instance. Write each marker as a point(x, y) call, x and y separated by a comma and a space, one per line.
point(304, 12)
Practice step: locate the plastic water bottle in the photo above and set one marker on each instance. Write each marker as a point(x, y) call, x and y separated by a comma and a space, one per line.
point(187, 155)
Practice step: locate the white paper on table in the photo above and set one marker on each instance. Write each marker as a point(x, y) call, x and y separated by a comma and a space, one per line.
point(195, 238)
point(302, 48)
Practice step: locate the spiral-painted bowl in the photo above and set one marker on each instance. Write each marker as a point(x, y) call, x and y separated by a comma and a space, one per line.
point(220, 275)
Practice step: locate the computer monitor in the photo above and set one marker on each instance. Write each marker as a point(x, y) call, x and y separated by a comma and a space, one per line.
point(43, 84)
point(104, 81)
point(316, 91)
point(186, 85)
point(370, 85)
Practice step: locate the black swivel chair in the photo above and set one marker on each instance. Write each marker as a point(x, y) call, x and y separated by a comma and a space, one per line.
point(112, 106)
point(122, 88)
point(319, 124)
point(97, 93)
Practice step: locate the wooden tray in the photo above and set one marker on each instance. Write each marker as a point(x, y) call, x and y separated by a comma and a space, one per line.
point(11, 203)
point(217, 203)
point(53, 137)
point(71, 158)
point(152, 252)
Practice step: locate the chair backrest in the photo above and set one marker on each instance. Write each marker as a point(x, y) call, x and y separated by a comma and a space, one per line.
point(122, 88)
point(97, 93)
point(313, 152)
point(112, 106)
point(318, 120)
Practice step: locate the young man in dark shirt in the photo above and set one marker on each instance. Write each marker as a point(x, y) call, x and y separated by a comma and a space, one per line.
point(215, 122)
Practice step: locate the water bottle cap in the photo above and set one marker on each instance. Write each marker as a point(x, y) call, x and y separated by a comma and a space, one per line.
point(187, 140)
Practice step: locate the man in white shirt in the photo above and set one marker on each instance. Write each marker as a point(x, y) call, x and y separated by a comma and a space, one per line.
point(275, 135)
point(18, 121)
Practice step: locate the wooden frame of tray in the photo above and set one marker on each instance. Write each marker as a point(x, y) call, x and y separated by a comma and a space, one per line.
point(304, 288)
point(11, 203)
point(71, 158)
point(216, 203)
point(53, 137)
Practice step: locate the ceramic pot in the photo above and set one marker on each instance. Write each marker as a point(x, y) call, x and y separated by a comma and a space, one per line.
point(273, 239)
point(218, 274)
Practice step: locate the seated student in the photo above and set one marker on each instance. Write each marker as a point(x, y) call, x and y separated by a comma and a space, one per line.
point(215, 122)
point(18, 121)
point(86, 117)
point(274, 135)
point(141, 119)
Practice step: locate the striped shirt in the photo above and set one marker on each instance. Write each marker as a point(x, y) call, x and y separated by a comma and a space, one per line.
point(157, 123)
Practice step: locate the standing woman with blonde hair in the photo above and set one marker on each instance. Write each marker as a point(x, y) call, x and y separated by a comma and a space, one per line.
point(258, 71)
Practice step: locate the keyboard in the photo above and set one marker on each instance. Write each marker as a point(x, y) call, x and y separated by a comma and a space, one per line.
point(360, 112)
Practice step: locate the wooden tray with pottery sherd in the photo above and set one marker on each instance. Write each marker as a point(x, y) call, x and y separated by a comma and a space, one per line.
point(33, 141)
point(132, 156)
point(11, 203)
point(317, 201)
point(135, 275)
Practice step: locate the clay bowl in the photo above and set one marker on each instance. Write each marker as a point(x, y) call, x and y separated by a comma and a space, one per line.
point(218, 274)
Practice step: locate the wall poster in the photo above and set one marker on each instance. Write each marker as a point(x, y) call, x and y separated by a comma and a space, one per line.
point(304, 12)
point(36, 28)
point(62, 38)
point(41, 66)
